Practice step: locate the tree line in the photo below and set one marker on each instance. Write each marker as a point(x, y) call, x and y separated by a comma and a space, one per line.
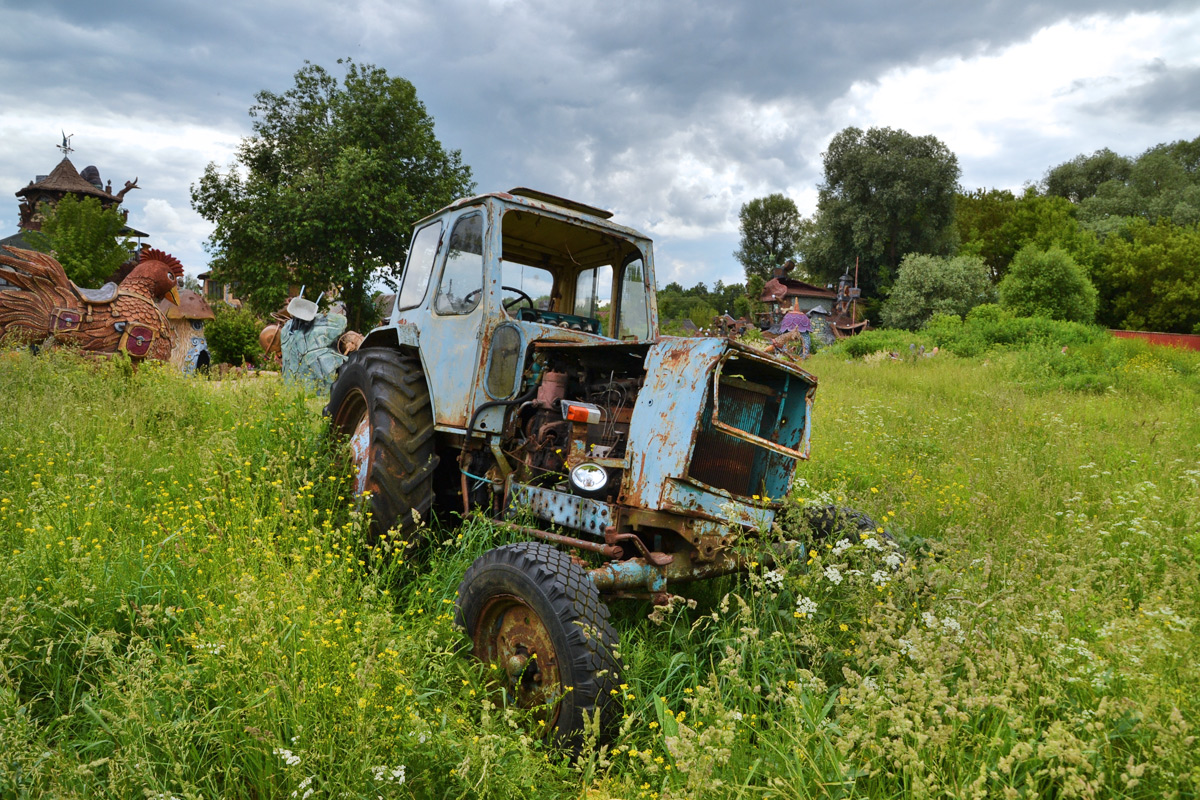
point(1101, 238)
point(326, 189)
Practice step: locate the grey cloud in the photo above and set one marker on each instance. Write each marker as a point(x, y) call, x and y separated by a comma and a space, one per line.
point(1168, 93)
point(606, 101)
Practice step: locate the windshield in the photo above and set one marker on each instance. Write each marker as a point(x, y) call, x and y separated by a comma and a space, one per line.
point(567, 274)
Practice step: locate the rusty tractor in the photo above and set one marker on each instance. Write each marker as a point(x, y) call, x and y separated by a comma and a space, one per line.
point(521, 372)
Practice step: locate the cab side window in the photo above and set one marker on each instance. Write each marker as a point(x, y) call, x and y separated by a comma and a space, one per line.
point(461, 286)
point(421, 256)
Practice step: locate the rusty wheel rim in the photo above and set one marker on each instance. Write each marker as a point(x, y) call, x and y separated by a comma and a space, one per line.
point(512, 637)
point(354, 421)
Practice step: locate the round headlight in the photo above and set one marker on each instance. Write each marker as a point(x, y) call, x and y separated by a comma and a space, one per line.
point(589, 478)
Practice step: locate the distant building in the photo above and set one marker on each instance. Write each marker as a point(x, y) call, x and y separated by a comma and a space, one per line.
point(64, 180)
point(215, 292)
point(783, 294)
point(50, 189)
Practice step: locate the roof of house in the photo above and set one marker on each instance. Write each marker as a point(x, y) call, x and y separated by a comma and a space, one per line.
point(191, 306)
point(65, 178)
point(778, 288)
point(16, 240)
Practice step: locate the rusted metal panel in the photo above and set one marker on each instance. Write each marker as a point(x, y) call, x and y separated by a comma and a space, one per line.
point(561, 508)
point(749, 447)
point(713, 503)
point(666, 416)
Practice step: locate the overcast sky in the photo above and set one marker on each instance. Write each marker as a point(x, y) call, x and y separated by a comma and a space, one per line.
point(671, 114)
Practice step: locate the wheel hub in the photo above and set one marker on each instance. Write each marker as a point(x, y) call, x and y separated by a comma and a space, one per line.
point(360, 449)
point(512, 636)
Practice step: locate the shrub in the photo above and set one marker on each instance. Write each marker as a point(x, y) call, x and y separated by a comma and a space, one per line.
point(928, 285)
point(1048, 283)
point(874, 341)
point(233, 336)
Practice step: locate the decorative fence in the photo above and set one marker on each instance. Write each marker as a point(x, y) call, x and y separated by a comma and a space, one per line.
point(1188, 340)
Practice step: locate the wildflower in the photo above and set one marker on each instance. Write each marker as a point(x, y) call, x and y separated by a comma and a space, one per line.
point(288, 757)
point(833, 575)
point(386, 774)
point(806, 606)
point(952, 627)
point(773, 579)
point(871, 543)
point(893, 560)
point(879, 578)
point(842, 546)
point(306, 787)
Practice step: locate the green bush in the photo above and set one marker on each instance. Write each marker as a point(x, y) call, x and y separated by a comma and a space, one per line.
point(1048, 283)
point(928, 285)
point(888, 339)
point(233, 336)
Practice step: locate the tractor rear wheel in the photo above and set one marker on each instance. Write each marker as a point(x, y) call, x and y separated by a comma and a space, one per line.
point(381, 403)
point(535, 616)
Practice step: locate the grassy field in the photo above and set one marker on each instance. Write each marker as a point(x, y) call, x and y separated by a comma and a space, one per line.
point(188, 610)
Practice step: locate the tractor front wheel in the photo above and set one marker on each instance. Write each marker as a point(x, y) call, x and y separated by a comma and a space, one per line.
point(536, 618)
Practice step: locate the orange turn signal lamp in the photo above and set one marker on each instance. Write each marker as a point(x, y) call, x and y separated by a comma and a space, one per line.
point(577, 411)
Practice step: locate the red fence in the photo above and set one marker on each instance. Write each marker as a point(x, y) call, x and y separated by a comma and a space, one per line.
point(1187, 340)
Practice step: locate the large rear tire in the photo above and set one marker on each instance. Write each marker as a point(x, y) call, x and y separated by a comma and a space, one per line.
point(535, 615)
point(381, 403)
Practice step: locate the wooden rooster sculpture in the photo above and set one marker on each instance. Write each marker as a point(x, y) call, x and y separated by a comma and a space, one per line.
point(46, 307)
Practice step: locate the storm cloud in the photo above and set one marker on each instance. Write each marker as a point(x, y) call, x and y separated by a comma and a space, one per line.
point(671, 114)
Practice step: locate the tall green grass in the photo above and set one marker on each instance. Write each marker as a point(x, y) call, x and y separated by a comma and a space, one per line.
point(190, 611)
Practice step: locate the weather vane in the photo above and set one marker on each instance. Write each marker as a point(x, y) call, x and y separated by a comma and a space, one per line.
point(66, 144)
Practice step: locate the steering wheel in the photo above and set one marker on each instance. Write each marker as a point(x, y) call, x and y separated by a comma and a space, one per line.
point(469, 297)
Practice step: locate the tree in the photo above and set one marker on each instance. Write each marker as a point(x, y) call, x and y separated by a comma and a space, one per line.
point(770, 228)
point(886, 194)
point(85, 237)
point(996, 224)
point(1149, 278)
point(982, 218)
point(1081, 177)
point(1048, 283)
point(928, 285)
point(326, 190)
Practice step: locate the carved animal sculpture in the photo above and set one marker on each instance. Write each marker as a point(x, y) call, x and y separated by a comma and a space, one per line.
point(47, 307)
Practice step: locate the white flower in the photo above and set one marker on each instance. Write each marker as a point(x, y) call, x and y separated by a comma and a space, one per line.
point(288, 757)
point(833, 575)
point(929, 619)
point(773, 579)
point(893, 560)
point(879, 578)
point(870, 684)
point(306, 787)
point(871, 543)
point(386, 774)
point(842, 546)
point(951, 626)
point(806, 606)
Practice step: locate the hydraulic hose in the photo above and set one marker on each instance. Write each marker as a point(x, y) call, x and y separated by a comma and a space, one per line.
point(493, 403)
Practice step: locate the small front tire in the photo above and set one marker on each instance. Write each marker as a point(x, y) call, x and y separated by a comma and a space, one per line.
point(537, 618)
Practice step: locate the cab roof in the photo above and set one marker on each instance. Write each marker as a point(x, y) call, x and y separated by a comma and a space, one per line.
point(542, 201)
